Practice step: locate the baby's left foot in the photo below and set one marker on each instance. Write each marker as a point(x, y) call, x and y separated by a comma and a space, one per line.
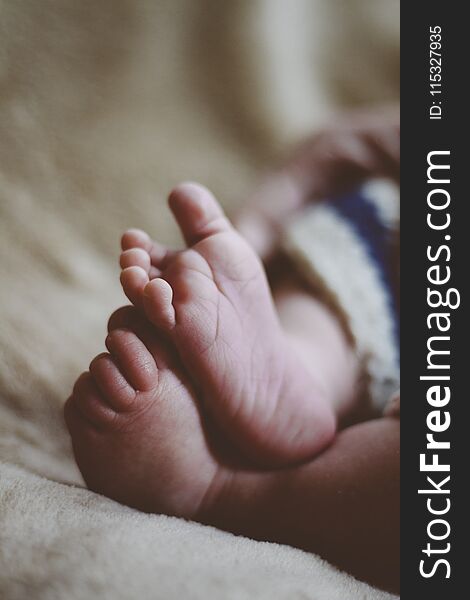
point(213, 302)
point(137, 430)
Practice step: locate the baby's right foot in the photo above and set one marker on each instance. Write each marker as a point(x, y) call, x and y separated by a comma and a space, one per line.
point(213, 302)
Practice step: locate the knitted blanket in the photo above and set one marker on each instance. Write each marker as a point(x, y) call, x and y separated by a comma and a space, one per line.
point(103, 107)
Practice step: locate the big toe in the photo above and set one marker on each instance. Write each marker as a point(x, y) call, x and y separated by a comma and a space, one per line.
point(197, 212)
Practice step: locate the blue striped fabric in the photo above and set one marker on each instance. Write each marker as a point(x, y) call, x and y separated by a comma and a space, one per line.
point(375, 236)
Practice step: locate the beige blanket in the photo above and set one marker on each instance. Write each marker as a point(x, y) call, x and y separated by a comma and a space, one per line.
point(103, 107)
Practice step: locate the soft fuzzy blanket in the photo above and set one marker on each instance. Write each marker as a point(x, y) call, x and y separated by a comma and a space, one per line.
point(103, 107)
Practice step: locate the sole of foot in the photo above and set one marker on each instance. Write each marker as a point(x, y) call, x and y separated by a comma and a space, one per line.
point(213, 302)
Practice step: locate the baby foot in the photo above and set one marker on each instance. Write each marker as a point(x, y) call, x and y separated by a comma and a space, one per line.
point(136, 428)
point(213, 302)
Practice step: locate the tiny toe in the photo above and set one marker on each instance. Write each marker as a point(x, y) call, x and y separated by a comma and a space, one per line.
point(72, 416)
point(197, 212)
point(124, 318)
point(88, 400)
point(135, 257)
point(130, 319)
point(111, 382)
point(136, 238)
point(134, 359)
point(133, 281)
point(158, 306)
